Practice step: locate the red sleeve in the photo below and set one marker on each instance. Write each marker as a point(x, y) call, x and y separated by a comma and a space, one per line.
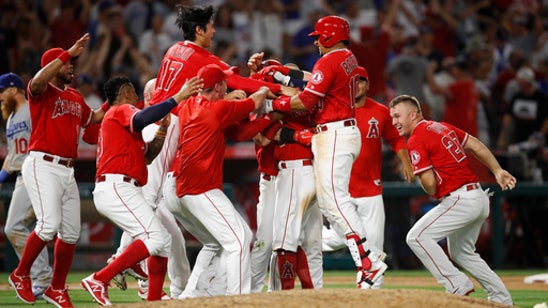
point(91, 133)
point(271, 131)
point(246, 129)
point(249, 85)
point(309, 99)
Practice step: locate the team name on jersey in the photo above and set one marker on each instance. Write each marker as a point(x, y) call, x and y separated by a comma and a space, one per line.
point(63, 107)
point(15, 128)
point(349, 64)
point(182, 53)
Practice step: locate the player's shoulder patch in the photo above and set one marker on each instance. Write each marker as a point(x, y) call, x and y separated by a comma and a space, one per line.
point(415, 157)
point(317, 77)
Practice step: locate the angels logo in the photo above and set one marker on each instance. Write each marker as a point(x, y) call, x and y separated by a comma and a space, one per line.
point(317, 77)
point(415, 157)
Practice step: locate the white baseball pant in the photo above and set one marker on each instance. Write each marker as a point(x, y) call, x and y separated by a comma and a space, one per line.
point(458, 217)
point(262, 248)
point(55, 197)
point(124, 204)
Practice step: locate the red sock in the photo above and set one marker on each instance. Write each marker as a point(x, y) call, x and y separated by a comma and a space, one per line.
point(135, 252)
point(63, 253)
point(302, 270)
point(157, 268)
point(32, 249)
point(287, 263)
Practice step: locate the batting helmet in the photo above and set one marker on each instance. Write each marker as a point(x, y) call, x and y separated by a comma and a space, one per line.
point(330, 30)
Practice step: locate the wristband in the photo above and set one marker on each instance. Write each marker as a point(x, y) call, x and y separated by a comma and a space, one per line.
point(282, 104)
point(105, 106)
point(3, 175)
point(64, 57)
point(286, 135)
point(297, 74)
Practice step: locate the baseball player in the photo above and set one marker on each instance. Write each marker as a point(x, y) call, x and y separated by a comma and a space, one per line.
point(183, 59)
point(374, 122)
point(203, 121)
point(20, 218)
point(295, 209)
point(122, 156)
point(57, 114)
point(438, 154)
point(330, 94)
point(178, 268)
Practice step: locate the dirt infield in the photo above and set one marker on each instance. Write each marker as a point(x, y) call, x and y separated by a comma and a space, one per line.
point(331, 297)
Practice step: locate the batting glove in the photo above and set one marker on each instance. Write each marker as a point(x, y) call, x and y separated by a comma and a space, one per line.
point(303, 137)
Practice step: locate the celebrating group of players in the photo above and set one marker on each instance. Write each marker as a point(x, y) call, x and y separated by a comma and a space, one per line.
point(318, 141)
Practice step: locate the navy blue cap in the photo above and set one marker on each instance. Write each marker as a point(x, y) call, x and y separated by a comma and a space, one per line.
point(11, 80)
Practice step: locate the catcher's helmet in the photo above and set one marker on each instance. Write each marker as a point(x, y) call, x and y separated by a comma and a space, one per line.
point(331, 30)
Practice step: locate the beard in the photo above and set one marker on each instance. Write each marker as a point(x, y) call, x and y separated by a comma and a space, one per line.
point(8, 106)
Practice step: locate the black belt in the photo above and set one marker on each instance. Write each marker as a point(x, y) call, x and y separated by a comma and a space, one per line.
point(69, 163)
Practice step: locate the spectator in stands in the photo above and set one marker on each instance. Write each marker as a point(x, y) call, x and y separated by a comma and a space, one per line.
point(267, 28)
point(527, 113)
point(302, 50)
point(70, 23)
point(154, 42)
point(372, 51)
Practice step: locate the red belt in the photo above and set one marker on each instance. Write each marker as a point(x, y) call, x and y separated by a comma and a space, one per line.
point(306, 162)
point(324, 127)
point(69, 163)
point(472, 186)
point(126, 179)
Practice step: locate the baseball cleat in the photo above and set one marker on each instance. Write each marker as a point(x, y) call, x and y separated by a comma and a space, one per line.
point(142, 291)
point(59, 298)
point(366, 279)
point(23, 287)
point(97, 289)
point(137, 272)
point(119, 280)
point(38, 290)
point(464, 289)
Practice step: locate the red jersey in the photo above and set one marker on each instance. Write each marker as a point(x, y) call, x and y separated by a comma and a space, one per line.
point(202, 141)
point(121, 150)
point(265, 159)
point(292, 151)
point(461, 107)
point(183, 60)
point(335, 79)
point(439, 146)
point(374, 121)
point(56, 118)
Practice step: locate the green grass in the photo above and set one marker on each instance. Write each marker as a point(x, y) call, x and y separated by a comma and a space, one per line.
point(80, 298)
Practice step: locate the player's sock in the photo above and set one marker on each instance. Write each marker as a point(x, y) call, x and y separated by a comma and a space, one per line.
point(135, 252)
point(358, 251)
point(32, 249)
point(287, 264)
point(157, 268)
point(302, 269)
point(63, 253)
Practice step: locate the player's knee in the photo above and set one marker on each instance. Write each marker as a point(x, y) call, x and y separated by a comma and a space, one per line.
point(412, 239)
point(158, 244)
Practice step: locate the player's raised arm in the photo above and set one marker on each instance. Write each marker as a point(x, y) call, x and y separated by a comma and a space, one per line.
point(53, 61)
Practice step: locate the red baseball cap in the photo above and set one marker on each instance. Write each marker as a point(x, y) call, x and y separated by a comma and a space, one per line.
point(213, 74)
point(363, 72)
point(52, 54)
